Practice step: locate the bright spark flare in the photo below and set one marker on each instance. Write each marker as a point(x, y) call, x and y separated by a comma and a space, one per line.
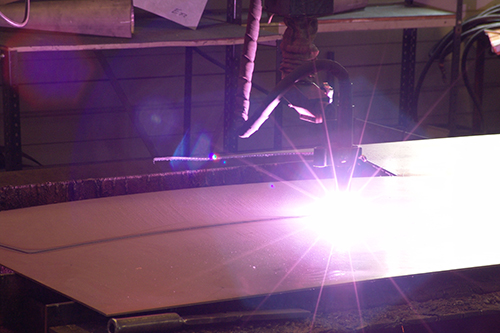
point(340, 218)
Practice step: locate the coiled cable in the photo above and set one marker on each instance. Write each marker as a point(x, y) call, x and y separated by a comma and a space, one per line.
point(472, 29)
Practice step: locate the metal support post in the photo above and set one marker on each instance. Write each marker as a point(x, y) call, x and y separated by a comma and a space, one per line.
point(11, 111)
point(278, 112)
point(482, 46)
point(233, 16)
point(188, 90)
point(234, 9)
point(455, 67)
point(406, 112)
point(231, 84)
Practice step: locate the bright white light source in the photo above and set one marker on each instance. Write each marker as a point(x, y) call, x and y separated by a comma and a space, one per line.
point(341, 218)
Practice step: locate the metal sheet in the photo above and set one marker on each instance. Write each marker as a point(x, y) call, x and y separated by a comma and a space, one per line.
point(468, 156)
point(149, 32)
point(113, 18)
point(381, 17)
point(167, 249)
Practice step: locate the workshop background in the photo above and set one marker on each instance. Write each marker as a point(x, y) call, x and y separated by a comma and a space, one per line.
point(71, 114)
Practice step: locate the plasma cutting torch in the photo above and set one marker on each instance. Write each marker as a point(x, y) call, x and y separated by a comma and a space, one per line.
point(298, 68)
point(299, 65)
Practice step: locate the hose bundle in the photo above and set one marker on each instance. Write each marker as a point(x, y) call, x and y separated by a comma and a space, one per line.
point(472, 30)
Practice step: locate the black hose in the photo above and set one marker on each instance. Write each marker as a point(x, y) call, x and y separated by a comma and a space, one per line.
point(466, 25)
point(344, 118)
point(465, 77)
point(490, 10)
point(469, 29)
point(485, 20)
point(468, 45)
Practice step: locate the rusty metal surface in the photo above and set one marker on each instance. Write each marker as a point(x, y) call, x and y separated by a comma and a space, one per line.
point(160, 250)
point(149, 31)
point(167, 249)
point(27, 188)
point(113, 18)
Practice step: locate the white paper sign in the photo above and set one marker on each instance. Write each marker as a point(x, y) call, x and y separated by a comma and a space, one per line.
point(185, 12)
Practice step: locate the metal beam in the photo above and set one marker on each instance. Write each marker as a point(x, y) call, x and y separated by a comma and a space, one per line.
point(11, 110)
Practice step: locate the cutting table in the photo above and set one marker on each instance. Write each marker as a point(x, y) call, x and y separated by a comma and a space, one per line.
point(162, 250)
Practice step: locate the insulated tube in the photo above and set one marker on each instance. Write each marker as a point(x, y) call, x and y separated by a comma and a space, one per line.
point(247, 62)
point(343, 134)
